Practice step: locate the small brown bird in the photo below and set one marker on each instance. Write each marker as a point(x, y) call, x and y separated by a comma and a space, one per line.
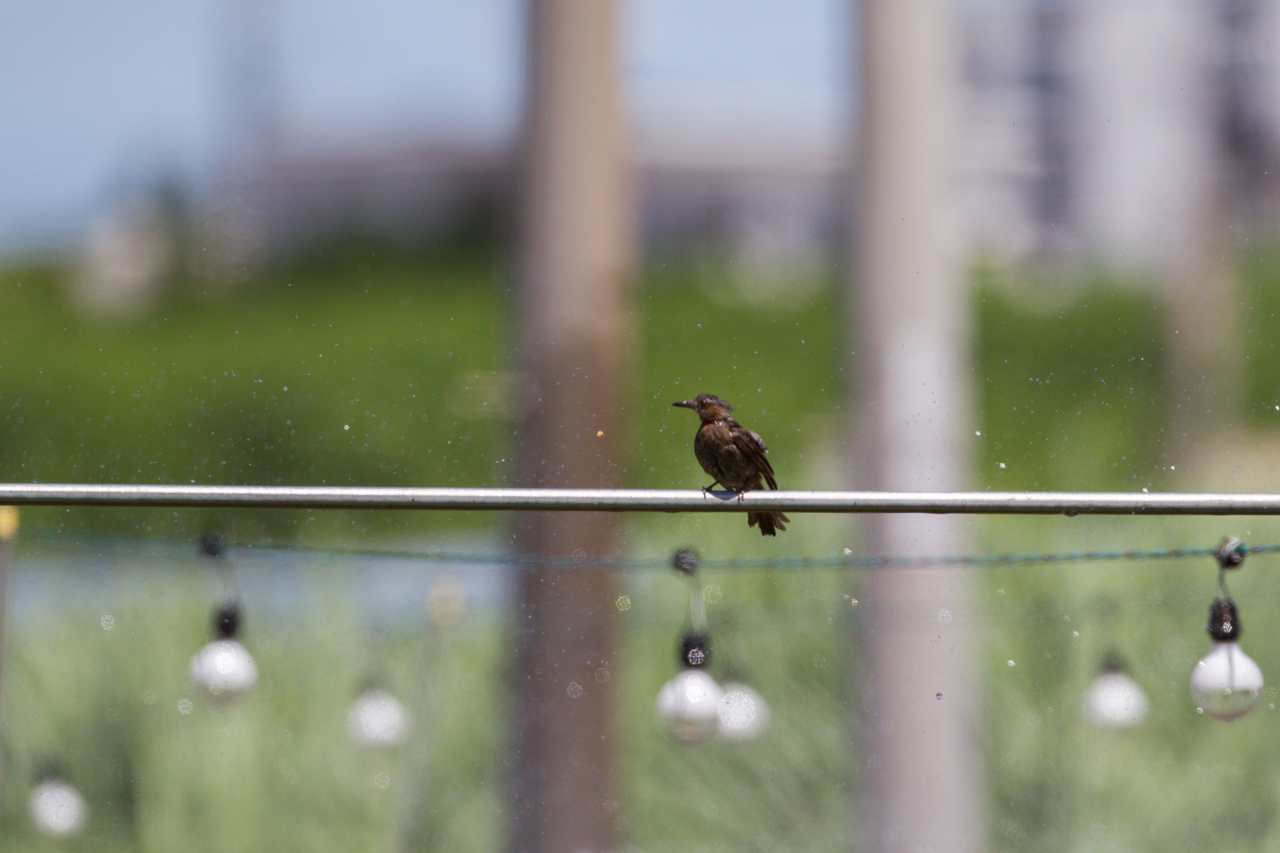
point(733, 456)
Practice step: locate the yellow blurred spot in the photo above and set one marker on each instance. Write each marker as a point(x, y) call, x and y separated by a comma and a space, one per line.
point(8, 522)
point(599, 432)
point(623, 602)
point(853, 602)
point(713, 593)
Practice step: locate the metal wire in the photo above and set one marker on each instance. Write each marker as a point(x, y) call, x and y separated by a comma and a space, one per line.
point(639, 500)
point(624, 500)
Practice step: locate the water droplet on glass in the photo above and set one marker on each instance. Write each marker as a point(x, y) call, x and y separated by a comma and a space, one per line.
point(108, 622)
point(938, 697)
point(575, 690)
point(1011, 663)
point(623, 602)
point(185, 706)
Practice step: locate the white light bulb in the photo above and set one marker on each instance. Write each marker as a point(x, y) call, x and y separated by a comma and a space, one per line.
point(1226, 683)
point(689, 706)
point(57, 808)
point(223, 670)
point(743, 713)
point(377, 719)
point(1115, 701)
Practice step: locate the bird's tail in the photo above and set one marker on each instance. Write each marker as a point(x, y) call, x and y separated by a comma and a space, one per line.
point(770, 522)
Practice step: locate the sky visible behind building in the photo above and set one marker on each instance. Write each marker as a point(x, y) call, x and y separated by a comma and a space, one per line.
point(100, 101)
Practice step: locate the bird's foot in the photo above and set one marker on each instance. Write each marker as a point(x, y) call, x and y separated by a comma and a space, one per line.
point(741, 493)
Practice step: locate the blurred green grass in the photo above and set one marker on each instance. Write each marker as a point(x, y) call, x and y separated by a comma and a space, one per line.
point(379, 368)
point(411, 353)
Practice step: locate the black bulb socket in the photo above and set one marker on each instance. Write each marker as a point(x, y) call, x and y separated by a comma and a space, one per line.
point(1224, 621)
point(226, 621)
point(48, 770)
point(695, 650)
point(211, 545)
point(1112, 662)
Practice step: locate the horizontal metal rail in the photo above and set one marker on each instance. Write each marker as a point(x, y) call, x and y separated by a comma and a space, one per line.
point(639, 500)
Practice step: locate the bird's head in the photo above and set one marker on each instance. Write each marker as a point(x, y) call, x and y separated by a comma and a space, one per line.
point(708, 406)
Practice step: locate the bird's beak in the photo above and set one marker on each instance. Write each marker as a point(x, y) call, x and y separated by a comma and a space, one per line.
point(686, 404)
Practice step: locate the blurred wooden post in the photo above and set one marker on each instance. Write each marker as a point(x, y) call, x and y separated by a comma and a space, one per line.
point(1203, 289)
point(1202, 344)
point(574, 262)
point(8, 545)
point(921, 762)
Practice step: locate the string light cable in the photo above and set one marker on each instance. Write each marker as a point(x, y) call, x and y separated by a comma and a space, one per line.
point(441, 556)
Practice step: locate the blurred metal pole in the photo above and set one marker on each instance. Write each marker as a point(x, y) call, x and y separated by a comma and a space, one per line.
point(573, 266)
point(8, 545)
point(921, 761)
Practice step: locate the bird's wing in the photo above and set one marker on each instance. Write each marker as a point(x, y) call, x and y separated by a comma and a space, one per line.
point(752, 447)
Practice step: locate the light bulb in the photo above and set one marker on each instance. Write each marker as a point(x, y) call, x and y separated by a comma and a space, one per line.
point(743, 713)
point(57, 808)
point(377, 719)
point(224, 669)
point(1115, 701)
point(1225, 683)
point(689, 706)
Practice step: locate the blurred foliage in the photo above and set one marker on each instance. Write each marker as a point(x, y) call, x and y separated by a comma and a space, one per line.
point(367, 365)
point(1259, 331)
point(1178, 781)
point(786, 790)
point(1071, 385)
point(276, 771)
point(352, 368)
point(398, 371)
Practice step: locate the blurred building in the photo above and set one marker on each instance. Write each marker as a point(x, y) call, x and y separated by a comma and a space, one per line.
point(1116, 129)
point(1107, 130)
